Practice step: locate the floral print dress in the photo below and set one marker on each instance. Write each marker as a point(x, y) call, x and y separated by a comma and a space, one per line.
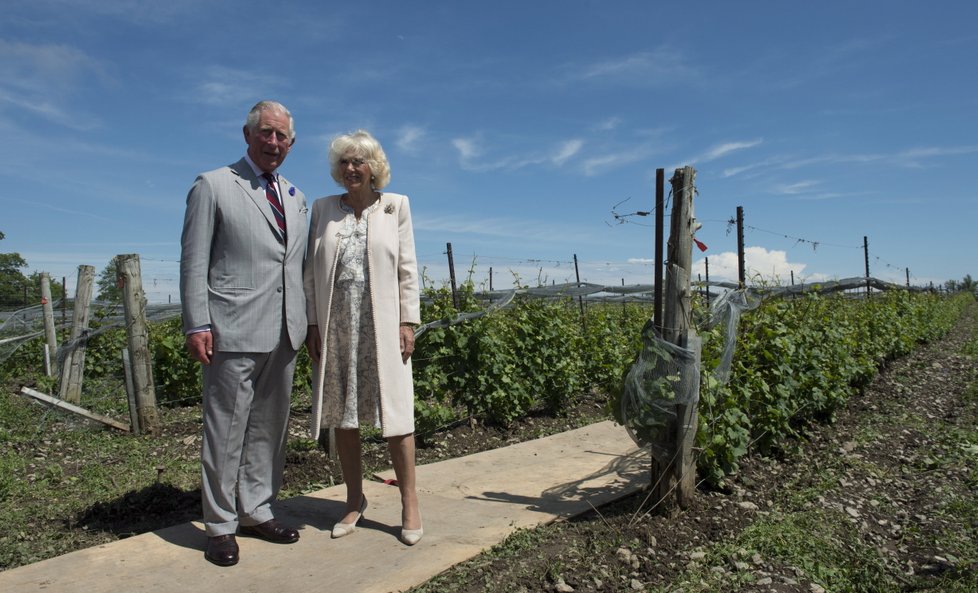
point(351, 389)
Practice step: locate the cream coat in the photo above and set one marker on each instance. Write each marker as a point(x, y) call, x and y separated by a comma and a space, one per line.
point(393, 272)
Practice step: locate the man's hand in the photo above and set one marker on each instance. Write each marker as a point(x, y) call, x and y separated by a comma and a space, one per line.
point(201, 346)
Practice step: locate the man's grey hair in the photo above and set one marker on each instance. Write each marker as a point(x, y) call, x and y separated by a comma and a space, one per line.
point(255, 114)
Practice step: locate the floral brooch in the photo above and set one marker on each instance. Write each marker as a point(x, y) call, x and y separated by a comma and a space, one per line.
point(389, 209)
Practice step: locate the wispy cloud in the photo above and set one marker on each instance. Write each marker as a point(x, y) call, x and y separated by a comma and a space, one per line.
point(795, 188)
point(139, 12)
point(466, 147)
point(409, 138)
point(43, 79)
point(722, 150)
point(607, 125)
point(912, 158)
point(827, 61)
point(75, 213)
point(606, 162)
point(472, 155)
point(661, 66)
point(471, 152)
point(566, 150)
point(230, 87)
point(496, 228)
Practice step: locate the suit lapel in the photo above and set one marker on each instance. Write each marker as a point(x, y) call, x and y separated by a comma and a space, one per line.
point(250, 185)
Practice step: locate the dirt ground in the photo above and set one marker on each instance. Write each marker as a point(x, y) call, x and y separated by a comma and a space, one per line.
point(875, 465)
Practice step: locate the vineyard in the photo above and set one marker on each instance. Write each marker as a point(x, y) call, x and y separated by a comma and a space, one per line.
point(540, 365)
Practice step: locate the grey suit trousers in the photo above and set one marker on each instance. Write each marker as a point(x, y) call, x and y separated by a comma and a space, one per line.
point(246, 396)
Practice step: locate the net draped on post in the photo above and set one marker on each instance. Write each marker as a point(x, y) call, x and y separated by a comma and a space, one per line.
point(663, 376)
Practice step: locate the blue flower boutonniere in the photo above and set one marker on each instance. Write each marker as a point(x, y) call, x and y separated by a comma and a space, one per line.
point(389, 209)
point(292, 191)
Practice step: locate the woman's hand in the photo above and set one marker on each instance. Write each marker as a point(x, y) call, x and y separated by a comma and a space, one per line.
point(314, 343)
point(407, 342)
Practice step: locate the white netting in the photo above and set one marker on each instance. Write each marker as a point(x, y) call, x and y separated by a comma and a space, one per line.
point(663, 378)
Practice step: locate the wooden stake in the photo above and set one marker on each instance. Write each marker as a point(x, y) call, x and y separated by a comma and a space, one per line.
point(130, 392)
point(451, 275)
point(63, 405)
point(676, 478)
point(137, 332)
point(73, 370)
point(50, 334)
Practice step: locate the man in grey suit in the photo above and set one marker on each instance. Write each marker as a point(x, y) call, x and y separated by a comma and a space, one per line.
point(244, 314)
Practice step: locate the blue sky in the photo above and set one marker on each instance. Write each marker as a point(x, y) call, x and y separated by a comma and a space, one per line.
point(517, 128)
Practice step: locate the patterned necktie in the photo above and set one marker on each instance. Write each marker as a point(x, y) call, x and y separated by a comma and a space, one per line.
point(272, 196)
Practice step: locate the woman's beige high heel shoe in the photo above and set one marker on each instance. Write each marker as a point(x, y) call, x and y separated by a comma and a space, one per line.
point(411, 536)
point(345, 529)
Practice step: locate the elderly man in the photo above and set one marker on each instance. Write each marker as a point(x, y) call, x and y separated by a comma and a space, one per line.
point(243, 244)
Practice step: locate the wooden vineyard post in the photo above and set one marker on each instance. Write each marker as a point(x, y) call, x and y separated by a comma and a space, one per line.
point(676, 479)
point(137, 333)
point(73, 369)
point(741, 266)
point(451, 275)
point(50, 334)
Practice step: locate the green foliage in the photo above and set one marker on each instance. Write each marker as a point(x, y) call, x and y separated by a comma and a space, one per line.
point(57, 290)
point(12, 281)
point(799, 360)
point(108, 284)
point(611, 341)
point(535, 354)
point(429, 417)
point(176, 375)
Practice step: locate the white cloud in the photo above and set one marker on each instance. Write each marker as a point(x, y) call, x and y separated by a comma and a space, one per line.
point(727, 148)
point(609, 124)
point(471, 151)
point(662, 66)
point(795, 188)
point(230, 87)
point(409, 137)
point(140, 12)
point(45, 68)
point(467, 148)
point(42, 79)
point(566, 150)
point(760, 264)
point(505, 228)
point(600, 164)
point(912, 157)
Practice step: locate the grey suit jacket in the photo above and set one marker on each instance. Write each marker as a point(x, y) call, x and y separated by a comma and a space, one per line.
point(236, 274)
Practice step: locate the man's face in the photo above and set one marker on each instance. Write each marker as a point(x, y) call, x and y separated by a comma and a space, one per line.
point(269, 144)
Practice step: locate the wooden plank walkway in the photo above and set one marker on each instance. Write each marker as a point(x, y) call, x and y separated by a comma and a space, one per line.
point(468, 504)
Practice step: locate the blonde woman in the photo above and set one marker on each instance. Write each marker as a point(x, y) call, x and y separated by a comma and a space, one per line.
point(361, 283)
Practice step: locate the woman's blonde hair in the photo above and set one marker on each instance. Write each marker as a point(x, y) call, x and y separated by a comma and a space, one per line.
point(360, 144)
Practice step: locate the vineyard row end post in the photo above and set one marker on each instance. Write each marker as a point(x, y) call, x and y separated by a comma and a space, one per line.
point(676, 480)
point(130, 281)
point(73, 369)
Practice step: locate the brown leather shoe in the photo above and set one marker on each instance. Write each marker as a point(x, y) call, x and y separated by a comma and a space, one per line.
point(222, 550)
point(271, 531)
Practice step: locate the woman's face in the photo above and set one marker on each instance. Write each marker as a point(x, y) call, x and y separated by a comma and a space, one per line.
point(355, 172)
